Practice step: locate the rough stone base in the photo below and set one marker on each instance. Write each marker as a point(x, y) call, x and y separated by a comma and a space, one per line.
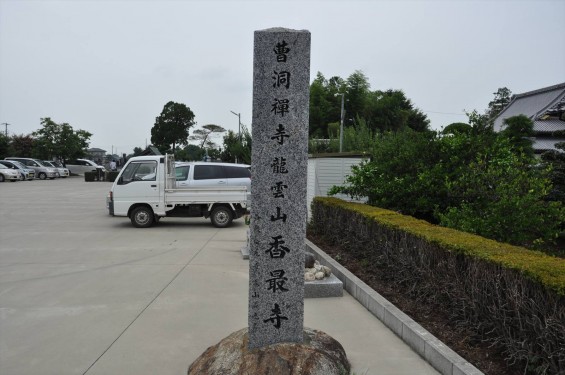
point(319, 354)
point(329, 287)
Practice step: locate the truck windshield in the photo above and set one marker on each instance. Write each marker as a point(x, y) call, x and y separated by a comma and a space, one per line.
point(139, 171)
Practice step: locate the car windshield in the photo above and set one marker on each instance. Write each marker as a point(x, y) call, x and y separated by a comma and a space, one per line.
point(19, 165)
point(43, 164)
point(48, 163)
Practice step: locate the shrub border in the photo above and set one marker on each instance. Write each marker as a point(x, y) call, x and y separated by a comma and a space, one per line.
point(429, 347)
point(509, 296)
point(537, 266)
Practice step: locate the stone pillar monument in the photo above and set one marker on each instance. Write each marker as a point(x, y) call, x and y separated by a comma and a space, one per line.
point(281, 76)
point(276, 341)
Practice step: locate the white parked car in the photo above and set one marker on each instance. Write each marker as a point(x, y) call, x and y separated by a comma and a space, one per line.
point(9, 174)
point(63, 172)
point(79, 166)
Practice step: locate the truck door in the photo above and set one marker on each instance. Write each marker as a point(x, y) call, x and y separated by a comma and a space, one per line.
point(138, 183)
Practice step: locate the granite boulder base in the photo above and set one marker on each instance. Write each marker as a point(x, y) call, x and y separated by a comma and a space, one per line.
point(318, 354)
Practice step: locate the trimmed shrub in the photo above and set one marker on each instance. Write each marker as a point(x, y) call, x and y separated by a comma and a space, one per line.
point(510, 296)
point(89, 176)
point(111, 175)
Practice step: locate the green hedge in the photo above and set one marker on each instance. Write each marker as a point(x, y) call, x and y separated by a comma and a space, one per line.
point(508, 295)
point(110, 176)
point(89, 176)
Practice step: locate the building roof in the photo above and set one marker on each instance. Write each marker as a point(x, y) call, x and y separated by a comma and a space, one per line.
point(151, 150)
point(541, 106)
point(546, 144)
point(545, 108)
point(94, 149)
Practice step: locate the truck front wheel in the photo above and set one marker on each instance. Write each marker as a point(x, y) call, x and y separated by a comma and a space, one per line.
point(221, 217)
point(142, 217)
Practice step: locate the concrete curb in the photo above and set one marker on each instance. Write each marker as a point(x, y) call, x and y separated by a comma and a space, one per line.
point(436, 353)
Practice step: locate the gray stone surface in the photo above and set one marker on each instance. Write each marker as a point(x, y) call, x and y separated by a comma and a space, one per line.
point(281, 82)
point(330, 286)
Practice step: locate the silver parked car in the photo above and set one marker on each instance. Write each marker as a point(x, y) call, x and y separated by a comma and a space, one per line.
point(9, 174)
point(41, 171)
point(26, 173)
point(63, 172)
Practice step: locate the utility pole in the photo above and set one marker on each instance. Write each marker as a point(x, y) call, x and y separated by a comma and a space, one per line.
point(239, 121)
point(6, 125)
point(341, 123)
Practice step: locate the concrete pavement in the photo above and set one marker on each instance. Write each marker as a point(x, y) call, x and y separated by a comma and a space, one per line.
point(85, 293)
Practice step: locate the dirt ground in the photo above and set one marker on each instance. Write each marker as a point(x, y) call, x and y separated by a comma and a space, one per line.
point(488, 359)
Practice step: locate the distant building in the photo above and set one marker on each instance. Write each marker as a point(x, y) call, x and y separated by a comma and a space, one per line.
point(151, 150)
point(96, 154)
point(546, 108)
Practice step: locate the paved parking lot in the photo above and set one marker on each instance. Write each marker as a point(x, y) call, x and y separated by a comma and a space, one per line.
point(85, 293)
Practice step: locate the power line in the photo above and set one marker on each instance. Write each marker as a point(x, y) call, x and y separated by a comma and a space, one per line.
point(446, 113)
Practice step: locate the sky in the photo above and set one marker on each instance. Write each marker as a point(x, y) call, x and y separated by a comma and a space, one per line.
point(109, 67)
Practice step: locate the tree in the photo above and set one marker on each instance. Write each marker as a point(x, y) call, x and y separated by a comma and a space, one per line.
point(137, 151)
point(555, 160)
point(325, 106)
point(398, 176)
point(480, 124)
point(204, 135)
point(502, 97)
point(457, 128)
point(518, 129)
point(171, 127)
point(23, 145)
point(5, 146)
point(237, 149)
point(190, 153)
point(391, 111)
point(357, 90)
point(60, 141)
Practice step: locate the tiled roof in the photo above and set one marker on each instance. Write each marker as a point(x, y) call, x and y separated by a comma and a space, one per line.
point(546, 144)
point(550, 125)
point(535, 104)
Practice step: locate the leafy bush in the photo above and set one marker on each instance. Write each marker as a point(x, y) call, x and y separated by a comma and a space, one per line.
point(473, 181)
point(501, 196)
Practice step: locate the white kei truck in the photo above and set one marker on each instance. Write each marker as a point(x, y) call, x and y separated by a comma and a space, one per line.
point(146, 191)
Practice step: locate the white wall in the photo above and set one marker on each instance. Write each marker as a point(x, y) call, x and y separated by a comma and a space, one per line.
point(323, 173)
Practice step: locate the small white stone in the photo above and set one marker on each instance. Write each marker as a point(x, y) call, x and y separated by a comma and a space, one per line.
point(319, 275)
point(309, 277)
point(327, 271)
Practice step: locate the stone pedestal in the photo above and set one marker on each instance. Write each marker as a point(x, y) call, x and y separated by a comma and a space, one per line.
point(330, 286)
point(318, 354)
